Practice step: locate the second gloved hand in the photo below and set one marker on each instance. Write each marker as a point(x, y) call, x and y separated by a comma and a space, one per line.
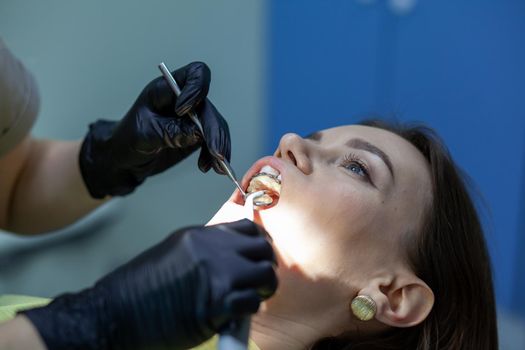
point(173, 296)
point(155, 134)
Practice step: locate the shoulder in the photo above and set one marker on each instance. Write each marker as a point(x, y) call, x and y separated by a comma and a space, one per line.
point(19, 100)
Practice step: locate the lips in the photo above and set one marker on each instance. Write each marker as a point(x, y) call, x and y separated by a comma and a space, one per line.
point(265, 174)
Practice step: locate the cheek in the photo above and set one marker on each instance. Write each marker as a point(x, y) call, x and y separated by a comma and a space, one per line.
point(350, 216)
point(335, 206)
point(317, 226)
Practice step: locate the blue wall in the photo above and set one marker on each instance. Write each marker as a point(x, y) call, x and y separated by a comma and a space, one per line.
point(457, 65)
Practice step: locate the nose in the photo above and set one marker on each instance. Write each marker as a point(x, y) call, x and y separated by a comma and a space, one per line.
point(295, 149)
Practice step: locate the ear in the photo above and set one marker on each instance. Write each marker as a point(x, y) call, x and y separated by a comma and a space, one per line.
point(404, 301)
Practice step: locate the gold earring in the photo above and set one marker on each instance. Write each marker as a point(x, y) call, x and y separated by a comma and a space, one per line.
point(364, 307)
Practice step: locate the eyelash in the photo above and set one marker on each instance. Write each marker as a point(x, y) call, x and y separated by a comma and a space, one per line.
point(352, 159)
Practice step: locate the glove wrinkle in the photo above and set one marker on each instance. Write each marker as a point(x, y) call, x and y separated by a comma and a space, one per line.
point(174, 295)
point(116, 157)
point(197, 78)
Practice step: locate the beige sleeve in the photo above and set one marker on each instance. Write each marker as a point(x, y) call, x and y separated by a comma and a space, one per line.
point(19, 100)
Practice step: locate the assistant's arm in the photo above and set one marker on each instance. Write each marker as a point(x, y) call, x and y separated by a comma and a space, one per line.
point(40, 185)
point(174, 295)
point(41, 188)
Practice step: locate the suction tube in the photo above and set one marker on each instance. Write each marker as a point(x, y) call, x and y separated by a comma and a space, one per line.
point(236, 338)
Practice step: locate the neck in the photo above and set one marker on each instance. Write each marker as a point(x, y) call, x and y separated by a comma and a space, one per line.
point(273, 332)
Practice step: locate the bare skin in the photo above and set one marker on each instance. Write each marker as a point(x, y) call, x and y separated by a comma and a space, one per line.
point(41, 180)
point(19, 334)
point(339, 229)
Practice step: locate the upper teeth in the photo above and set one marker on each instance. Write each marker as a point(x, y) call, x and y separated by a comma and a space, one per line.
point(269, 170)
point(267, 179)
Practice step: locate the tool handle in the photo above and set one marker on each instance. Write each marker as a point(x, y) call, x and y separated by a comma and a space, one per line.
point(224, 164)
point(236, 338)
point(169, 78)
point(176, 89)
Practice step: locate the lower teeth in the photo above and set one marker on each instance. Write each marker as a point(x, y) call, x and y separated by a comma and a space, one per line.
point(268, 183)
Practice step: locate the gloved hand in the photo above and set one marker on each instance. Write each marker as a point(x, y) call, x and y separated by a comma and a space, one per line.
point(155, 134)
point(173, 296)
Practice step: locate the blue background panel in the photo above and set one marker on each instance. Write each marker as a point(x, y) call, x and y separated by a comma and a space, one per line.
point(458, 66)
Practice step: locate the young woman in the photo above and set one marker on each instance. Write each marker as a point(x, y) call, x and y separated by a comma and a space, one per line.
point(375, 215)
point(378, 245)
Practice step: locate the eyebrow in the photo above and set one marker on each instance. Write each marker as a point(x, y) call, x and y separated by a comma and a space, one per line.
point(367, 146)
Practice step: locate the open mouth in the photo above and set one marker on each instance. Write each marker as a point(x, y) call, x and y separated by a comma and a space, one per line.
point(264, 177)
point(268, 180)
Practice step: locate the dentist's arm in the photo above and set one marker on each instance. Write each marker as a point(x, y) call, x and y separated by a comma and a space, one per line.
point(40, 183)
point(47, 184)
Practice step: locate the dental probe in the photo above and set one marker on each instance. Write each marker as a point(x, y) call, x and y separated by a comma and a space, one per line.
point(237, 336)
point(193, 116)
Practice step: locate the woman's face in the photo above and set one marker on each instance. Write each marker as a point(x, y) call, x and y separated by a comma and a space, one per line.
point(351, 198)
point(350, 195)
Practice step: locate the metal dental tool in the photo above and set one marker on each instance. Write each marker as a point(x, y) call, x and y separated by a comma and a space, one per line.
point(236, 338)
point(193, 116)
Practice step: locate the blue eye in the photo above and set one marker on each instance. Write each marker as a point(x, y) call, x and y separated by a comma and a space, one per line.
point(355, 165)
point(356, 168)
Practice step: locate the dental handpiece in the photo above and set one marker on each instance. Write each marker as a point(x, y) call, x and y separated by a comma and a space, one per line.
point(225, 165)
point(236, 337)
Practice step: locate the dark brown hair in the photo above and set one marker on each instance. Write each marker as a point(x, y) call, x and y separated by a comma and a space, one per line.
point(449, 254)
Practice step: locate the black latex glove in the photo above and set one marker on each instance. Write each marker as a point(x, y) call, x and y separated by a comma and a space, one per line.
point(173, 296)
point(155, 134)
